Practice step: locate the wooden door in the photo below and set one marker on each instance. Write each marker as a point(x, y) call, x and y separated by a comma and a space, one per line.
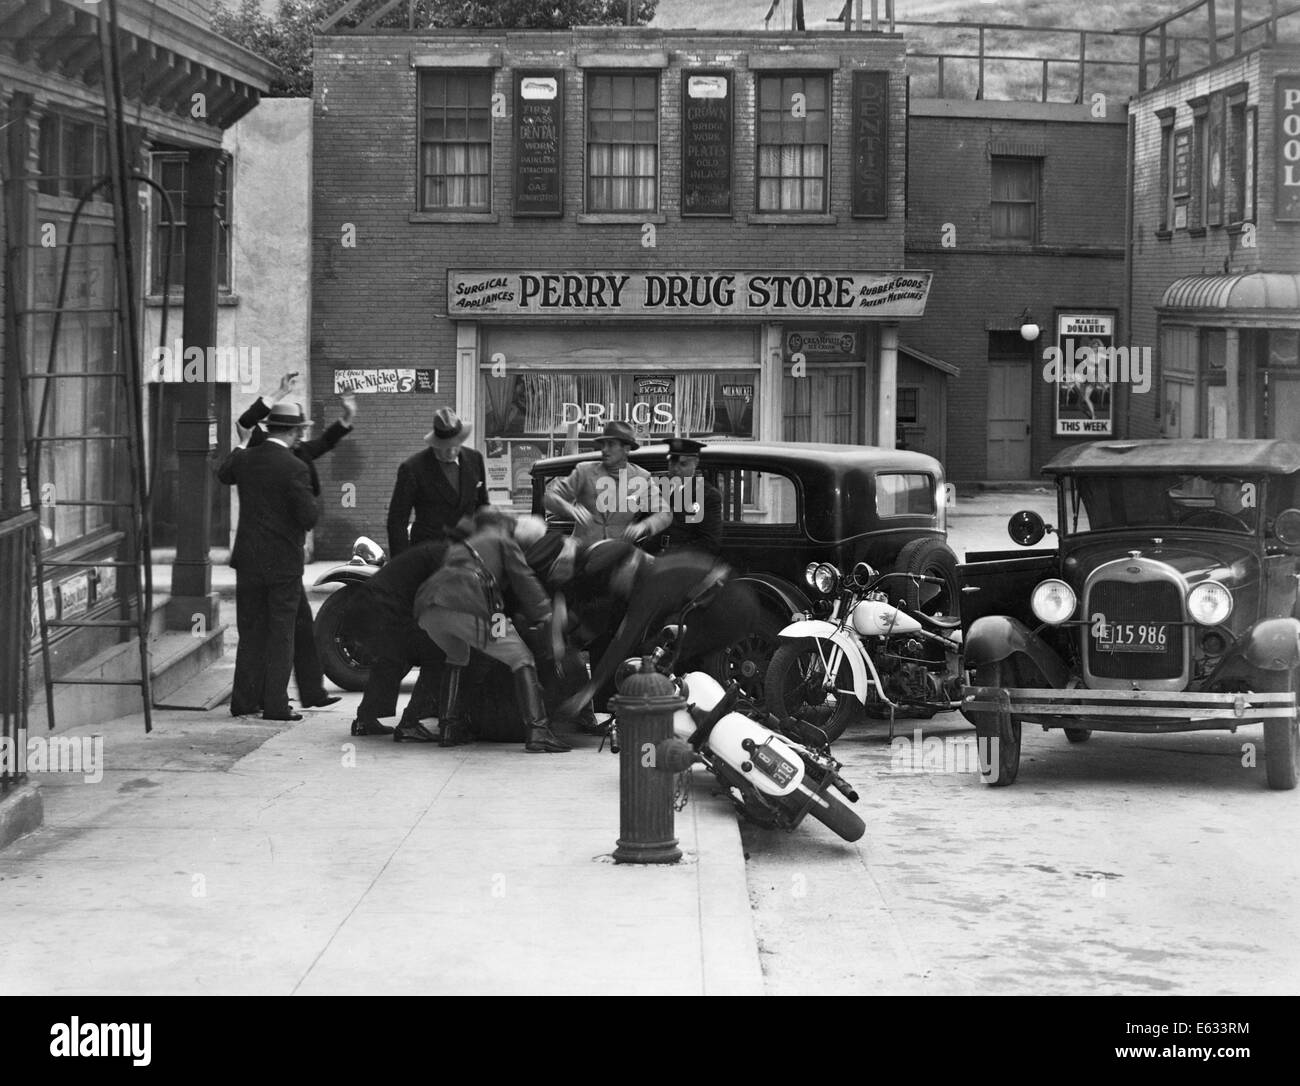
point(1008, 432)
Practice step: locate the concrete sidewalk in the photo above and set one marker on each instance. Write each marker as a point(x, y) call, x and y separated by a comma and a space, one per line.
point(223, 856)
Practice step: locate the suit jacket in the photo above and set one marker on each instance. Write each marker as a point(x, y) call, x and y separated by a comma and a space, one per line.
point(422, 486)
point(614, 500)
point(306, 451)
point(276, 509)
point(456, 587)
point(705, 533)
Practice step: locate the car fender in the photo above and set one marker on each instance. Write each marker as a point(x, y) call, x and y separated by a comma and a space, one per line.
point(778, 590)
point(995, 638)
point(347, 575)
point(828, 631)
point(1270, 645)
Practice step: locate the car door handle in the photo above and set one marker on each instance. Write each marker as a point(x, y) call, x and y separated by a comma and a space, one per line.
point(970, 588)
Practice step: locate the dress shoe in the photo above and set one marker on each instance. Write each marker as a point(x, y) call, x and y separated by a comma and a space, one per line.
point(412, 732)
point(255, 711)
point(289, 716)
point(321, 701)
point(370, 727)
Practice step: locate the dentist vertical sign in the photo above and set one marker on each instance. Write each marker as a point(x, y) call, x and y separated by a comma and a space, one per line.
point(1287, 142)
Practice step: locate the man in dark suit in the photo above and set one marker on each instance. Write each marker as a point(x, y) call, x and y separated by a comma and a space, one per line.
point(441, 485)
point(276, 509)
point(383, 620)
point(307, 667)
point(697, 504)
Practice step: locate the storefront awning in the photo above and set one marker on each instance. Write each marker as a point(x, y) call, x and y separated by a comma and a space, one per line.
point(1245, 298)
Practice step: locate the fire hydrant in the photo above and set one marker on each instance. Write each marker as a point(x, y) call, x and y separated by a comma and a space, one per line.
point(644, 711)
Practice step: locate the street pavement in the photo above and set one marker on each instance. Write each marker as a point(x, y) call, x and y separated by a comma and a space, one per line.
point(228, 856)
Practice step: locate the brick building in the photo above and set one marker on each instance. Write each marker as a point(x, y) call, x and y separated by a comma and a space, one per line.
point(702, 232)
point(1015, 206)
point(1216, 256)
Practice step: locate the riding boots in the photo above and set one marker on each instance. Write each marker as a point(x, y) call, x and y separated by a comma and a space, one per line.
point(453, 729)
point(539, 737)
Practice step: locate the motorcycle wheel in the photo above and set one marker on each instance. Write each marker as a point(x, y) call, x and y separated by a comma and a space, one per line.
point(747, 659)
point(836, 815)
point(792, 687)
point(345, 663)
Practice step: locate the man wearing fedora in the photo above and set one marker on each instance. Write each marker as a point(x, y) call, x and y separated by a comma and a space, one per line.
point(696, 504)
point(307, 669)
point(609, 498)
point(276, 510)
point(440, 484)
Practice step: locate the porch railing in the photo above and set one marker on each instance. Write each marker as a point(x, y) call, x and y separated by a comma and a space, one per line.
point(16, 536)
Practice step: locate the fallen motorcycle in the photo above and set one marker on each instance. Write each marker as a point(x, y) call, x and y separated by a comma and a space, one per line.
point(887, 657)
point(777, 772)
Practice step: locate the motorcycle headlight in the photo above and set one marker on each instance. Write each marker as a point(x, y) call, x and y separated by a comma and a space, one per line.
point(826, 579)
point(1209, 603)
point(1053, 602)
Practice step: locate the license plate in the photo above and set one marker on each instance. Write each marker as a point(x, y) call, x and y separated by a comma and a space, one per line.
point(1134, 637)
point(777, 768)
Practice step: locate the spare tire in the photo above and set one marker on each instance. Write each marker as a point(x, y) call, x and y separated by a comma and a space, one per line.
point(929, 557)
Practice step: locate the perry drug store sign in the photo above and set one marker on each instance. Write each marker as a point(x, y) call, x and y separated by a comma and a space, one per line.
point(883, 295)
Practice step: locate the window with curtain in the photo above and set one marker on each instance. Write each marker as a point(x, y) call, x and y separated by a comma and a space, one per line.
point(75, 469)
point(622, 142)
point(1235, 140)
point(825, 405)
point(1014, 201)
point(455, 141)
point(793, 142)
point(170, 171)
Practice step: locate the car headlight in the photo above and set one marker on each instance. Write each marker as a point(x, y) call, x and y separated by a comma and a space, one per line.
point(808, 572)
point(1209, 603)
point(1053, 602)
point(826, 578)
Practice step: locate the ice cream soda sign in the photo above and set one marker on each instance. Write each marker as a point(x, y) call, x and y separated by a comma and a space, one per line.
point(873, 294)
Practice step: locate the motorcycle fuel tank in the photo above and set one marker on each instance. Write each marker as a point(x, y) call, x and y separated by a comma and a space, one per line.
point(872, 618)
point(774, 767)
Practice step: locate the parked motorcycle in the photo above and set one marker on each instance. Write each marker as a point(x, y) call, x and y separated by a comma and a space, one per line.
point(777, 772)
point(344, 660)
point(886, 657)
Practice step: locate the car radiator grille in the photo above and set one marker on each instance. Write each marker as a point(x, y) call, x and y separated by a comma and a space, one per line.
point(1138, 602)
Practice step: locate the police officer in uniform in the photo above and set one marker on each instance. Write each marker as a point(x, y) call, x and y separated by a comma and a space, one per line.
point(697, 507)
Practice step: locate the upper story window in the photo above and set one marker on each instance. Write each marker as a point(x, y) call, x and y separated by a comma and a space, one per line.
point(793, 143)
point(171, 170)
point(622, 142)
point(1014, 198)
point(455, 141)
point(73, 154)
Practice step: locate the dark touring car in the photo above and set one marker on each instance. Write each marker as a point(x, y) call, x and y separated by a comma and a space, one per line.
point(785, 506)
point(1170, 603)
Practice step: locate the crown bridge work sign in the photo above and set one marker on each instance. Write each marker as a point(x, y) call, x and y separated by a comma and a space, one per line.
point(885, 295)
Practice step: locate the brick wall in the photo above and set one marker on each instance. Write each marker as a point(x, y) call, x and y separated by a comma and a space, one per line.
point(1215, 250)
point(982, 285)
point(382, 302)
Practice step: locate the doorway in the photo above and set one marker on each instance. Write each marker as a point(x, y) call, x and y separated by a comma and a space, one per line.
point(1009, 430)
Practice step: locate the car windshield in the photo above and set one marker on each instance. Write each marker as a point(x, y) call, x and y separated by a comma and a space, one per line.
point(1170, 499)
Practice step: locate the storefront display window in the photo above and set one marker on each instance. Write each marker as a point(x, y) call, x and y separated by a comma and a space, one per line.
point(545, 412)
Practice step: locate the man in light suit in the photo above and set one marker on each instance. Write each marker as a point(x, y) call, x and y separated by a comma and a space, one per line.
point(440, 485)
point(610, 498)
point(276, 509)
